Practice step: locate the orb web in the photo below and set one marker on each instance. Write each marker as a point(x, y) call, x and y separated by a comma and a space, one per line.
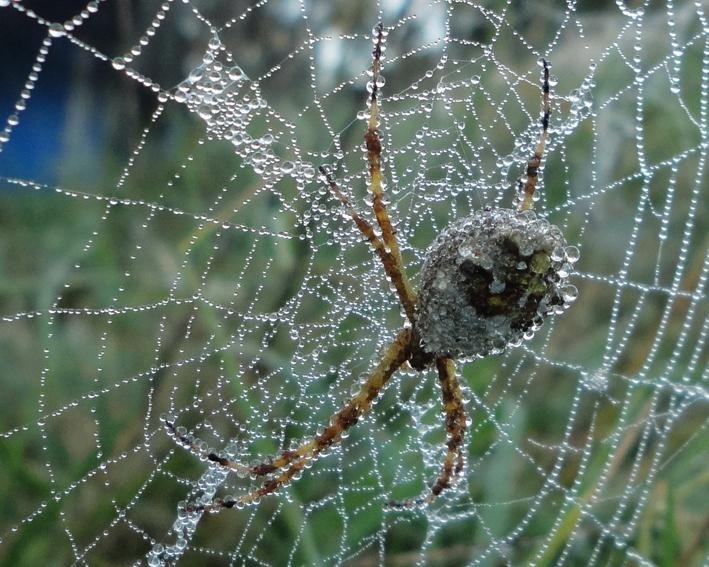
point(169, 250)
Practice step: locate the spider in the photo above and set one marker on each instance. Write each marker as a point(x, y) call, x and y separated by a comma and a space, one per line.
point(487, 282)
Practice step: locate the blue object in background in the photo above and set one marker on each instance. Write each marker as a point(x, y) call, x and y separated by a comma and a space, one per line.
point(36, 149)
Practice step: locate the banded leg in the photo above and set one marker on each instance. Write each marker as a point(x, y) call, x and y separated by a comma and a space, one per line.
point(374, 158)
point(374, 147)
point(268, 487)
point(393, 268)
point(536, 158)
point(455, 427)
point(387, 247)
point(295, 459)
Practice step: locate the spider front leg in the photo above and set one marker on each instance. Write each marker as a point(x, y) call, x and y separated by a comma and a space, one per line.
point(386, 247)
point(374, 159)
point(393, 267)
point(374, 146)
point(535, 159)
point(294, 460)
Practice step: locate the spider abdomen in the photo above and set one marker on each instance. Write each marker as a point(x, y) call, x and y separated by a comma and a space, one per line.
point(488, 282)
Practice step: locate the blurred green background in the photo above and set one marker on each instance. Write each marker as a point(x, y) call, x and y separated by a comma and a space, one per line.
point(644, 426)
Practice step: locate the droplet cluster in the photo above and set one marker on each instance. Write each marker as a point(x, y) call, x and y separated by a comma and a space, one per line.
point(490, 280)
point(231, 105)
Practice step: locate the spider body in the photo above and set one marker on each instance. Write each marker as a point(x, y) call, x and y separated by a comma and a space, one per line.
point(487, 282)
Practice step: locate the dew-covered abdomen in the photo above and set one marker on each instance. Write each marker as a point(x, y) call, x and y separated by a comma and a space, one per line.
point(489, 281)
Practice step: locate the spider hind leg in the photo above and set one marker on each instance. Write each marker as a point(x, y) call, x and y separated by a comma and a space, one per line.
point(456, 425)
point(295, 460)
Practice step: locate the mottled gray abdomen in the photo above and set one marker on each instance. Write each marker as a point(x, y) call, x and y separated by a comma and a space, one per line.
point(489, 280)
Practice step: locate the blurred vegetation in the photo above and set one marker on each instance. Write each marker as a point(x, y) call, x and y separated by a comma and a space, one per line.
point(43, 236)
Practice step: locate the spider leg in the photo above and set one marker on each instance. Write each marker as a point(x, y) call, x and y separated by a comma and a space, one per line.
point(296, 459)
point(268, 487)
point(535, 159)
point(455, 426)
point(387, 247)
point(374, 147)
point(393, 268)
point(198, 448)
point(374, 158)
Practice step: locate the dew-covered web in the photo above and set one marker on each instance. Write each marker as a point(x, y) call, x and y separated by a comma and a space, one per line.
point(169, 251)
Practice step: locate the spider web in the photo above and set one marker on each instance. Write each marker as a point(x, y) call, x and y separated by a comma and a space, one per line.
point(168, 249)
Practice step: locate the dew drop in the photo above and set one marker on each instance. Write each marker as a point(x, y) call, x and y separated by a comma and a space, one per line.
point(569, 293)
point(56, 30)
point(572, 254)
